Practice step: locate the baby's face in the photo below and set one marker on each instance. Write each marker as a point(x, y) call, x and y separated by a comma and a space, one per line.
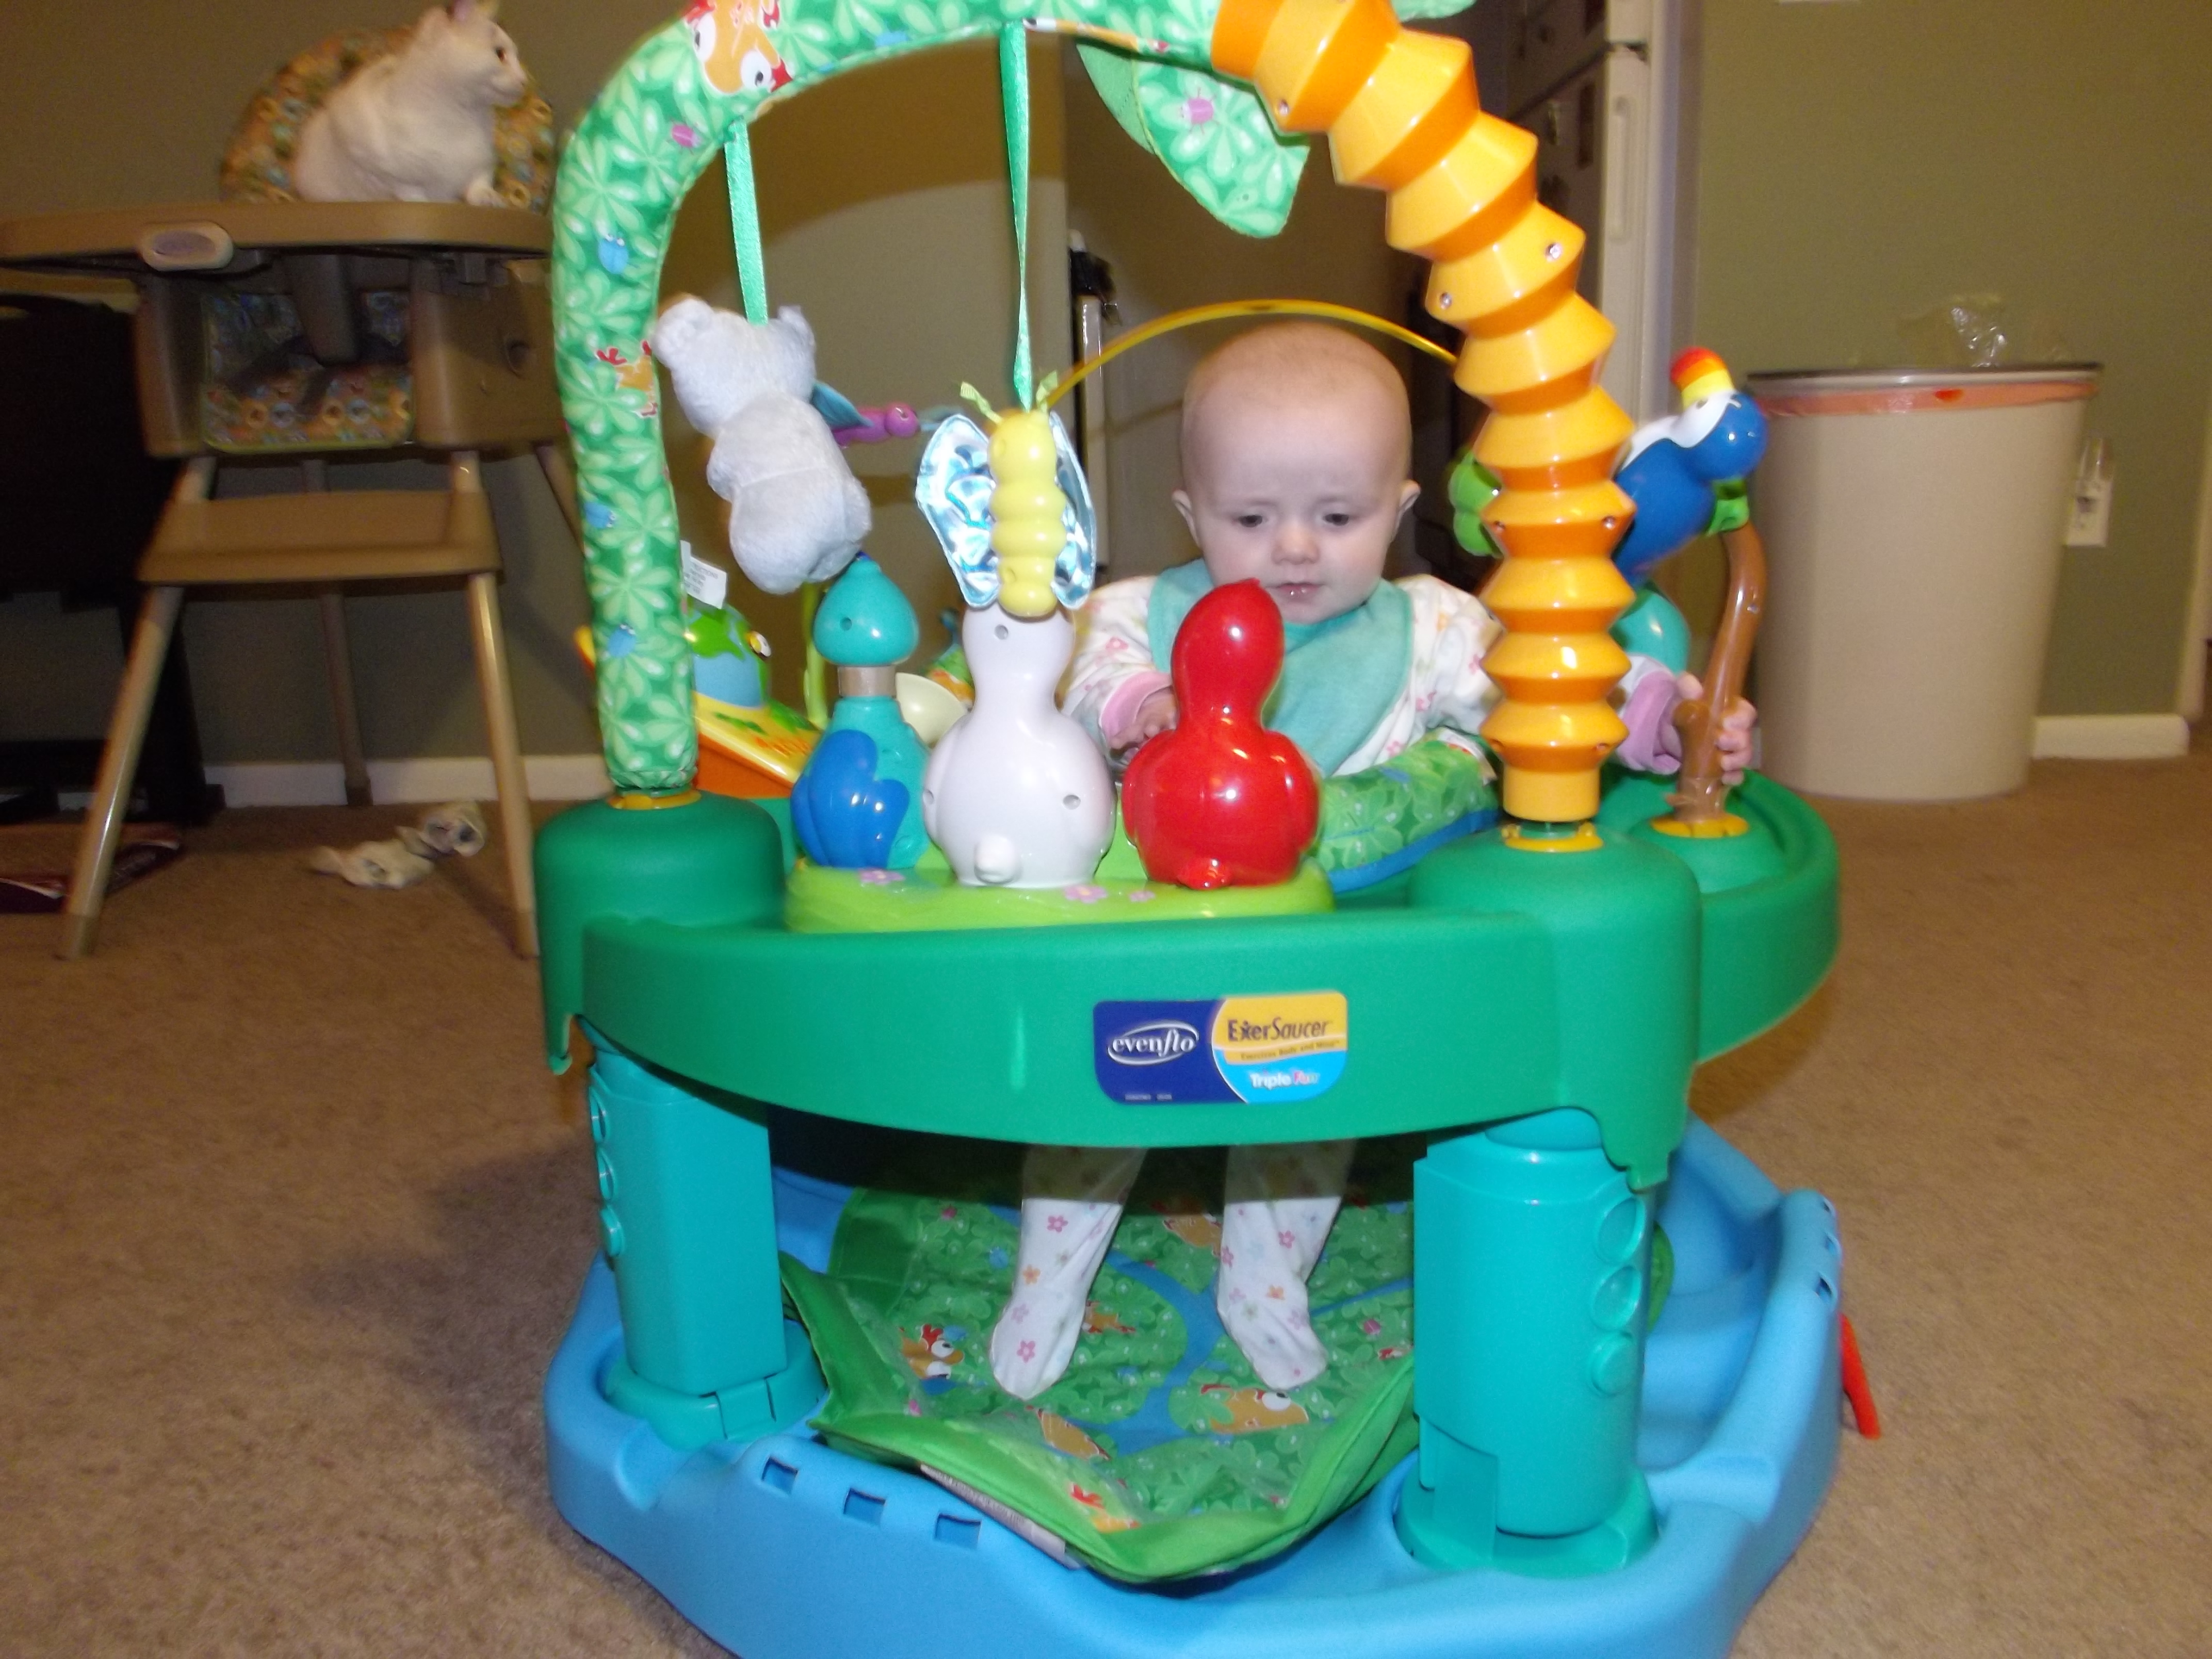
point(1303, 496)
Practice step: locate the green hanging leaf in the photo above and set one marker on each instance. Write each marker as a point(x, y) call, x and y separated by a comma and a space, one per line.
point(1115, 75)
point(1213, 135)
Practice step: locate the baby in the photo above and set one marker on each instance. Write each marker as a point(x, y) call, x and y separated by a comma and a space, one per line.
point(1295, 444)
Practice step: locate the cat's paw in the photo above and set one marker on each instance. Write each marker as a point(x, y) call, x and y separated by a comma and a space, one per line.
point(480, 193)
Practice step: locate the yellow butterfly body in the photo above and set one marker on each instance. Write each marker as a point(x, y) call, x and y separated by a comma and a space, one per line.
point(1027, 527)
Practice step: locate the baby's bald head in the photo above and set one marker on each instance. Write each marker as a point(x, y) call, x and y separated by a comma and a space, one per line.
point(1295, 448)
point(1294, 363)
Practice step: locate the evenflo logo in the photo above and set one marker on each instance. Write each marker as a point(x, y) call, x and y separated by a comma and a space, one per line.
point(1153, 1043)
point(1183, 1052)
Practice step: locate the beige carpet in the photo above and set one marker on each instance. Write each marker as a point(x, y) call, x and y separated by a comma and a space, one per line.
point(293, 1218)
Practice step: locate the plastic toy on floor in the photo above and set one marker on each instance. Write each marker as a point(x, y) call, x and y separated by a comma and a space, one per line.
point(1514, 1448)
point(455, 830)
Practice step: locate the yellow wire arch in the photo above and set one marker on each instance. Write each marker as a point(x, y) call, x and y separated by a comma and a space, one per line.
point(1222, 312)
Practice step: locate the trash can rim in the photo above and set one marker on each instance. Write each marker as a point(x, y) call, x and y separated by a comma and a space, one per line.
point(1786, 380)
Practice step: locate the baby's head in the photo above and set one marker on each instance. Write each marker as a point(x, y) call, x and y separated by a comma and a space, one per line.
point(1296, 441)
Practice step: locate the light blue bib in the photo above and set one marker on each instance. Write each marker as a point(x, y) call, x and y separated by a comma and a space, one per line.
point(1339, 676)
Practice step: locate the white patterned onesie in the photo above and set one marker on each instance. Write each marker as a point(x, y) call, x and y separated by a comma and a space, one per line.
point(1279, 1201)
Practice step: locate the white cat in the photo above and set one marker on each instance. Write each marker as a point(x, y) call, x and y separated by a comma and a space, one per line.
point(417, 127)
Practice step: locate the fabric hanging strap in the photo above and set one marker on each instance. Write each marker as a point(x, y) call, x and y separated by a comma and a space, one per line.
point(753, 285)
point(744, 224)
point(1014, 92)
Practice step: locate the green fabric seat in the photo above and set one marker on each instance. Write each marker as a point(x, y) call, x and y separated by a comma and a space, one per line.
point(1160, 1454)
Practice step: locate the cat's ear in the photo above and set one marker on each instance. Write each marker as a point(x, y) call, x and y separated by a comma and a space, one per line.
point(432, 23)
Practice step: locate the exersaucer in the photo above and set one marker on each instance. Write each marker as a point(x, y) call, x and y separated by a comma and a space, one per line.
point(1532, 998)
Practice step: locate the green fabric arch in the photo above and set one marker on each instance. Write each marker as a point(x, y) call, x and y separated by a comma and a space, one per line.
point(646, 138)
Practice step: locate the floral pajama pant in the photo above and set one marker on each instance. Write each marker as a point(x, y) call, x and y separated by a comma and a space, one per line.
point(1278, 1205)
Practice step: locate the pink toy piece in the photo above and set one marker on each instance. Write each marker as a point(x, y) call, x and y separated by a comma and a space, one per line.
point(1219, 800)
point(878, 425)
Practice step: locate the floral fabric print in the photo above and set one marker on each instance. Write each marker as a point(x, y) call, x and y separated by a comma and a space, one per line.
point(1160, 1452)
point(263, 389)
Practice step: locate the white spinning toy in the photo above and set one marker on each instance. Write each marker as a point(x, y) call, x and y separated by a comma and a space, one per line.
point(1016, 794)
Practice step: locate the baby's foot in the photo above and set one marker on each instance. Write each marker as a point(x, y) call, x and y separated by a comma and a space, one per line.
point(1071, 1199)
point(1269, 1325)
point(1034, 1341)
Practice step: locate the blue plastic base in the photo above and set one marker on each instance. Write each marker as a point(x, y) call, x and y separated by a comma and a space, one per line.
point(783, 1548)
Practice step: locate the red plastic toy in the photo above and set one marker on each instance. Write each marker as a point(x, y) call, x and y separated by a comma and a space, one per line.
point(1857, 1389)
point(1219, 800)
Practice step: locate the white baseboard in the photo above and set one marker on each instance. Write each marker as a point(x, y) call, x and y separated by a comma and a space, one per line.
point(399, 782)
point(2111, 737)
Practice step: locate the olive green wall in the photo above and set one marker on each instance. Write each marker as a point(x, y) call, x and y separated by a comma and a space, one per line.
point(1863, 162)
point(883, 204)
point(1860, 163)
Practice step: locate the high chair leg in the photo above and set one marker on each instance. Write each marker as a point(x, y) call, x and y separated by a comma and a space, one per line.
point(506, 756)
point(553, 461)
point(515, 823)
point(337, 659)
point(118, 765)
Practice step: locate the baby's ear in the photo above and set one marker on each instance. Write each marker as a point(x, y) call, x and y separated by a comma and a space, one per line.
point(1182, 499)
point(1409, 493)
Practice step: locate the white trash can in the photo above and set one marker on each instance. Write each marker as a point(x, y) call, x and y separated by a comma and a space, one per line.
point(1913, 521)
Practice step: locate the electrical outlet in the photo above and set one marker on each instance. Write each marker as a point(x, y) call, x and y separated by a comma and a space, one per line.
point(2091, 521)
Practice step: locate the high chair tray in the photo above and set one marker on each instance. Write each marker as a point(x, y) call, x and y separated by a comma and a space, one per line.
point(179, 237)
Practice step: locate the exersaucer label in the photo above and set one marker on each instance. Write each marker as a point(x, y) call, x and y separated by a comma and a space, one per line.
point(1290, 1047)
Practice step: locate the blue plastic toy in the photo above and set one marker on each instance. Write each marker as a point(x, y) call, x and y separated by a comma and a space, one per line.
point(857, 805)
point(1674, 464)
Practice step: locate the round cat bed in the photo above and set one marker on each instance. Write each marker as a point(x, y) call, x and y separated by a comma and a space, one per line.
point(257, 163)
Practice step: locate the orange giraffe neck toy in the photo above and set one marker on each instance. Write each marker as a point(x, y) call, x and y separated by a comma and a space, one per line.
point(1399, 109)
point(1219, 800)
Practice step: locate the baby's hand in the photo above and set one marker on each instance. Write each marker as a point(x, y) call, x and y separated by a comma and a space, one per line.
point(1733, 743)
point(1155, 715)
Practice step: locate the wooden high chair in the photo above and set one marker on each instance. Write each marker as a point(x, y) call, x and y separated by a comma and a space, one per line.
point(281, 329)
